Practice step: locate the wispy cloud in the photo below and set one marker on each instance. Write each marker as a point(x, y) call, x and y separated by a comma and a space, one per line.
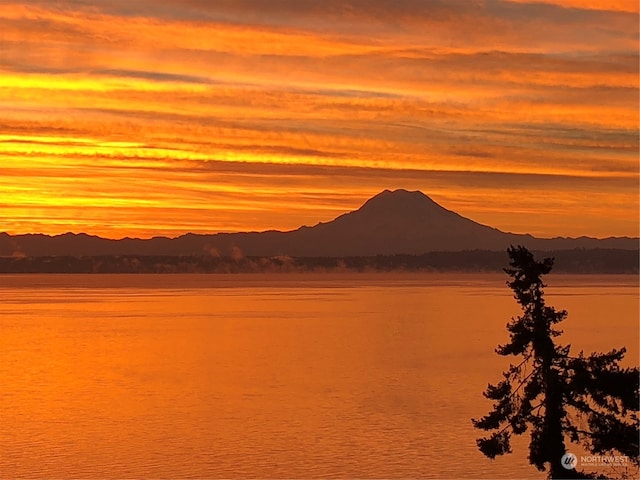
point(167, 116)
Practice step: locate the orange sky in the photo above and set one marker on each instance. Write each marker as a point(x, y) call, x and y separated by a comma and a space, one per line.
point(160, 117)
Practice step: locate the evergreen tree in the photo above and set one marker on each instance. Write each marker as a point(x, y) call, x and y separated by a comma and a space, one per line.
point(583, 399)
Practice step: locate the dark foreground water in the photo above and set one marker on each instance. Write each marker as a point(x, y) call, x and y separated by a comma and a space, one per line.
point(263, 376)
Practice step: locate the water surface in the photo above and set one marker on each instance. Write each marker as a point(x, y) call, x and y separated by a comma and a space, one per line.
point(212, 376)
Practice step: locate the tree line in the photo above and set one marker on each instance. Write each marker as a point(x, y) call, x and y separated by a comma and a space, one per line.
point(567, 261)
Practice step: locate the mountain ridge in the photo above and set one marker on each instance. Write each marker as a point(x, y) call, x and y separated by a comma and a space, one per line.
point(391, 222)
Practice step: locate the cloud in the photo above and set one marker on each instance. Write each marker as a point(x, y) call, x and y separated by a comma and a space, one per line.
point(151, 75)
point(288, 112)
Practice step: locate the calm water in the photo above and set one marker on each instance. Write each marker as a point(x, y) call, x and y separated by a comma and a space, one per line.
point(269, 376)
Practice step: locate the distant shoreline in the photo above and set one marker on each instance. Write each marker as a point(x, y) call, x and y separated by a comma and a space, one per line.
point(317, 281)
point(577, 261)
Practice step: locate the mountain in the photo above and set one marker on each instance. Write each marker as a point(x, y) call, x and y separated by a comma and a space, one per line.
point(392, 222)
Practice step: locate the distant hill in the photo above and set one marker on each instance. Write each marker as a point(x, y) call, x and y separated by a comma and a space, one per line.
point(390, 223)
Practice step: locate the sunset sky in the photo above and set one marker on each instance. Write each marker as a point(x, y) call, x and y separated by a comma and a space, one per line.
point(161, 117)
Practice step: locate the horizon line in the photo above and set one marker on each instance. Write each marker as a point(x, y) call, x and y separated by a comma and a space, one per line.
point(166, 237)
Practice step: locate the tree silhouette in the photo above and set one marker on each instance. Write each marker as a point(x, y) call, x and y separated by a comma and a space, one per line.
point(584, 399)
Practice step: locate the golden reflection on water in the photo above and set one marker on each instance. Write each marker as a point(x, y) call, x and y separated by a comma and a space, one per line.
point(269, 376)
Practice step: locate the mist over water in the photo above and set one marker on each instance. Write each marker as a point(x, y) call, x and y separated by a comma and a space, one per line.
point(214, 376)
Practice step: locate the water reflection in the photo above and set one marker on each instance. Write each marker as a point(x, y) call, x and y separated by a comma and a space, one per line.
point(208, 376)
